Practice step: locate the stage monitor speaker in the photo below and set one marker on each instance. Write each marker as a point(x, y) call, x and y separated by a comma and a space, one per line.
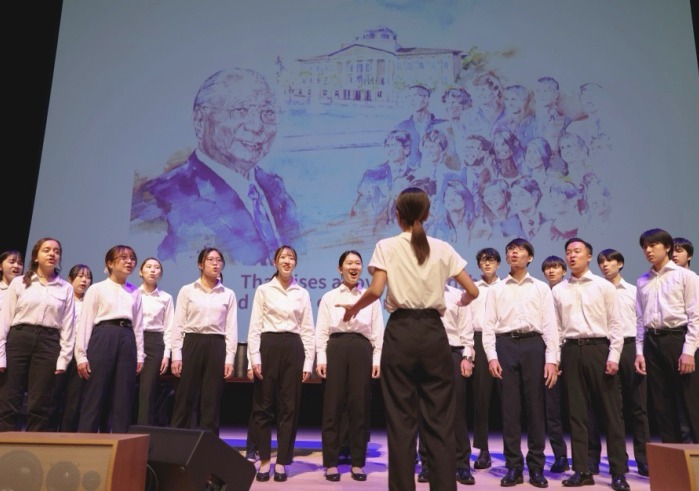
point(673, 466)
point(194, 460)
point(32, 461)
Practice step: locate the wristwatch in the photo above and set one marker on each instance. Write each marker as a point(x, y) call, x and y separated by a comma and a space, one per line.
point(467, 358)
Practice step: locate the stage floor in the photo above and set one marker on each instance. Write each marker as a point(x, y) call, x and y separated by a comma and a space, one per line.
point(306, 473)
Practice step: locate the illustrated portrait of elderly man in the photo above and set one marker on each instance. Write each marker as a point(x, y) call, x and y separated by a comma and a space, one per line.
point(220, 196)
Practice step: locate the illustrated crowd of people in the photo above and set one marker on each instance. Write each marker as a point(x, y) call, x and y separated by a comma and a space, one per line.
point(504, 162)
point(84, 353)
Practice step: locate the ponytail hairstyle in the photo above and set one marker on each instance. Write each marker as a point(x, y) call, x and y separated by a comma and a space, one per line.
point(278, 253)
point(413, 207)
point(34, 262)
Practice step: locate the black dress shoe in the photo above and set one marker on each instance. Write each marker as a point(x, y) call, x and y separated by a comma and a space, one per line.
point(643, 469)
point(358, 476)
point(262, 476)
point(513, 477)
point(251, 455)
point(560, 465)
point(281, 476)
point(594, 467)
point(464, 476)
point(424, 475)
point(483, 460)
point(536, 478)
point(579, 479)
point(332, 477)
point(619, 483)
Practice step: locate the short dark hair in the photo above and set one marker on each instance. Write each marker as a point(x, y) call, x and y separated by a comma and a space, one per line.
point(523, 243)
point(657, 236)
point(610, 255)
point(588, 246)
point(488, 253)
point(553, 261)
point(682, 243)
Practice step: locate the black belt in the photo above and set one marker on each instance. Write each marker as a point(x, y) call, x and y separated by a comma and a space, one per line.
point(585, 341)
point(518, 334)
point(340, 334)
point(35, 328)
point(457, 349)
point(115, 322)
point(629, 340)
point(415, 313)
point(667, 331)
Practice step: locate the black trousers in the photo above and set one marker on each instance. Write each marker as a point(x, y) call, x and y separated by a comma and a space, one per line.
point(347, 397)
point(554, 419)
point(522, 361)
point(112, 356)
point(154, 348)
point(278, 393)
point(482, 384)
point(461, 438)
point(586, 384)
point(32, 352)
point(634, 397)
point(662, 353)
point(201, 384)
point(67, 398)
point(417, 383)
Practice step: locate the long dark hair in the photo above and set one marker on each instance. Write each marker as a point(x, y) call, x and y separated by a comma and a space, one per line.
point(33, 263)
point(413, 206)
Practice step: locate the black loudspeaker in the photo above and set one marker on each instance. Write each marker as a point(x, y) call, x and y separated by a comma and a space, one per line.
point(72, 461)
point(194, 460)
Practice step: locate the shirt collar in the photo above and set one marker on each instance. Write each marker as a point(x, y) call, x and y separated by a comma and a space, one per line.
point(198, 284)
point(670, 266)
point(345, 289)
point(154, 293)
point(588, 276)
point(527, 279)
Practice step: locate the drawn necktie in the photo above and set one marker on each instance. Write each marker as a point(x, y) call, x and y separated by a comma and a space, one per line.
point(262, 221)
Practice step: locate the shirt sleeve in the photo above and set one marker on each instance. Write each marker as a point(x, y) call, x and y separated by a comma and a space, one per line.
point(691, 300)
point(85, 324)
point(168, 326)
point(616, 329)
point(231, 329)
point(490, 320)
point(322, 330)
point(6, 315)
point(67, 341)
point(255, 328)
point(377, 329)
point(465, 330)
point(308, 333)
point(138, 325)
point(178, 325)
point(549, 326)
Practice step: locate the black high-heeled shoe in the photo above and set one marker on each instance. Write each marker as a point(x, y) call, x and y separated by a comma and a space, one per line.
point(358, 476)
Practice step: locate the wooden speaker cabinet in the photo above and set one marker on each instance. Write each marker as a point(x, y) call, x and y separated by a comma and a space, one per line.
point(673, 466)
point(73, 461)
